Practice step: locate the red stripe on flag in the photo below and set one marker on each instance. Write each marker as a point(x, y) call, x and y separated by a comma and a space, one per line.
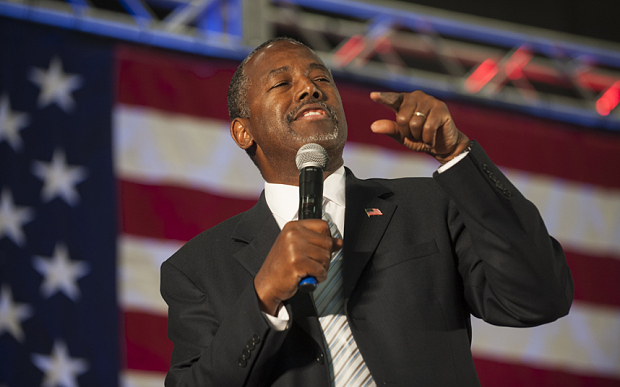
point(596, 278)
point(167, 212)
point(494, 373)
point(146, 341)
point(174, 83)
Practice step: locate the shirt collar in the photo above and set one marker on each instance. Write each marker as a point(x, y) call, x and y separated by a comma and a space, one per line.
point(283, 200)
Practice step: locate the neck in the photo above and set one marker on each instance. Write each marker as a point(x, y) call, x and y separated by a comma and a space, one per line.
point(290, 176)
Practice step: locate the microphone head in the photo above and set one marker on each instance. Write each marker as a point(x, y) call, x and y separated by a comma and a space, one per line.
point(311, 155)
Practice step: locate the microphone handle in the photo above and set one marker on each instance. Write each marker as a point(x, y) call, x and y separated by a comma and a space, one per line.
point(310, 207)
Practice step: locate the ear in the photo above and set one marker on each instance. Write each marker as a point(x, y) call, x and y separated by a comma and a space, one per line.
point(239, 130)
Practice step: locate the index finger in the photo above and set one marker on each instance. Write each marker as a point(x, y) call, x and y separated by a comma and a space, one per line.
point(389, 99)
point(320, 226)
point(317, 225)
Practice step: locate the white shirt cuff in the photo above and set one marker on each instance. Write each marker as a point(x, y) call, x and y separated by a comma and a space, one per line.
point(452, 162)
point(280, 321)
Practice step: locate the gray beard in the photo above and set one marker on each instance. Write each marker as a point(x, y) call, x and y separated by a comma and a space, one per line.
point(317, 137)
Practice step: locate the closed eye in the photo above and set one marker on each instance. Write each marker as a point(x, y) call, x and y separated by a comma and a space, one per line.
point(279, 84)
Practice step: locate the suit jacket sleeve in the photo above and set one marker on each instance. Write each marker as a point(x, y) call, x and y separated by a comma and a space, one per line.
point(210, 349)
point(514, 273)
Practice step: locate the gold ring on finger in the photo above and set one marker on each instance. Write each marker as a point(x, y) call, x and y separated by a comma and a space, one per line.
point(420, 114)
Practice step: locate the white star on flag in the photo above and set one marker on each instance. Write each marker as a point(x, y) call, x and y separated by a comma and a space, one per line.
point(59, 178)
point(60, 368)
point(12, 314)
point(60, 274)
point(11, 122)
point(13, 218)
point(56, 85)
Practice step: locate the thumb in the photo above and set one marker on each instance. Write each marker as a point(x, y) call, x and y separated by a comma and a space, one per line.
point(389, 99)
point(337, 244)
point(387, 127)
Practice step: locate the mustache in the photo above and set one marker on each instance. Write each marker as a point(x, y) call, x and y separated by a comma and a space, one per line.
point(331, 113)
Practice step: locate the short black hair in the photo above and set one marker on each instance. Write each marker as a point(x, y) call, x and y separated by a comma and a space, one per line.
point(238, 106)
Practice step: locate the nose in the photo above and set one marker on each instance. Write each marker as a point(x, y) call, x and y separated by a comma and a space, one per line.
point(308, 89)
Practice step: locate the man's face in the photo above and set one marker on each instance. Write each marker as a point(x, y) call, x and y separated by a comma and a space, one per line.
point(293, 101)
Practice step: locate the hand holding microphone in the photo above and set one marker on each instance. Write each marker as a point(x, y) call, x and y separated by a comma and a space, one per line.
point(303, 248)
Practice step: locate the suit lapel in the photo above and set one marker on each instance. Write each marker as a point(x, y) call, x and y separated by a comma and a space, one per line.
point(259, 230)
point(363, 232)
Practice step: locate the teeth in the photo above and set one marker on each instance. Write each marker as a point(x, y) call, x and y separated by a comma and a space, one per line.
point(311, 113)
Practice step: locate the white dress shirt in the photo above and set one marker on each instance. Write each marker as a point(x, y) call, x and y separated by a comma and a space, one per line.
point(283, 200)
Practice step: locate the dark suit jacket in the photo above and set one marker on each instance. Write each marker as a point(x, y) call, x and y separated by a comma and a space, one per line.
point(464, 242)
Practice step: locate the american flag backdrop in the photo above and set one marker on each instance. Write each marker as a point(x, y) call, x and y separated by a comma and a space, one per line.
point(113, 155)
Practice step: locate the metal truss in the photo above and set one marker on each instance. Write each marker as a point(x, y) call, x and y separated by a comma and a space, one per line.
point(406, 47)
point(205, 27)
point(395, 45)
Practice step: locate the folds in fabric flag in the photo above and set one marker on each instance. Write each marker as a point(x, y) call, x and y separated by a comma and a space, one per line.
point(177, 172)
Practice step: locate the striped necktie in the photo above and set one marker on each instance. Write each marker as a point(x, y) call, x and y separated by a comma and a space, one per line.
point(347, 368)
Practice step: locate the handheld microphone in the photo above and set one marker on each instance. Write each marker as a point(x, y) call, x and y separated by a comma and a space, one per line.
point(311, 161)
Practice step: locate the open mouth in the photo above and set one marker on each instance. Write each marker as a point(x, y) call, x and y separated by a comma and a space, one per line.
point(310, 114)
point(311, 111)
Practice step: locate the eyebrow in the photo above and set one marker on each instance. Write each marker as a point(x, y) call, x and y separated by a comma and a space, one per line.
point(277, 71)
point(318, 66)
point(284, 69)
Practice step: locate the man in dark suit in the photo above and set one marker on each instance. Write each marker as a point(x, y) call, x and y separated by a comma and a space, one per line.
point(419, 255)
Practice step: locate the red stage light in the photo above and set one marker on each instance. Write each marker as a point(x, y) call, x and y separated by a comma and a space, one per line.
point(609, 100)
point(518, 60)
point(351, 49)
point(513, 70)
point(481, 76)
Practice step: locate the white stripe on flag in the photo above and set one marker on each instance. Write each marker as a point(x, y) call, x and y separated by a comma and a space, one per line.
point(584, 217)
point(132, 378)
point(156, 147)
point(140, 260)
point(368, 161)
point(586, 341)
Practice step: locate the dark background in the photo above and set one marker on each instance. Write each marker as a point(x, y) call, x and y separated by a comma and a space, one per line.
point(593, 18)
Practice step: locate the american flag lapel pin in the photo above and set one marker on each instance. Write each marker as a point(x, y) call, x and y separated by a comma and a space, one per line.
point(373, 211)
